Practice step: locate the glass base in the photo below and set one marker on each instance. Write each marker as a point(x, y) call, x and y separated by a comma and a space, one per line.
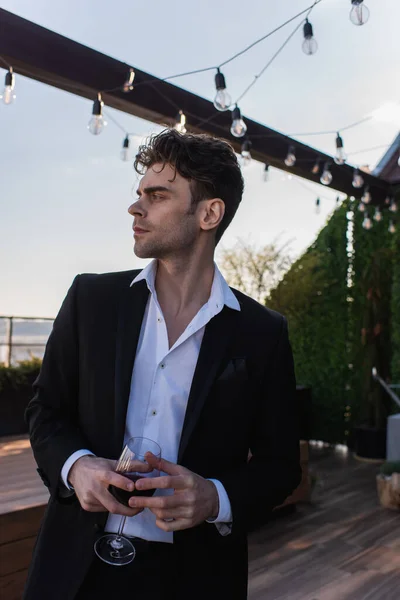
point(115, 550)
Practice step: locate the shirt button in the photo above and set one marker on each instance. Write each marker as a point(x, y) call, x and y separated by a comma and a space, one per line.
point(159, 319)
point(162, 366)
point(154, 412)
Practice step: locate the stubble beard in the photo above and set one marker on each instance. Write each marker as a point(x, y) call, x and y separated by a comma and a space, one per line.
point(167, 245)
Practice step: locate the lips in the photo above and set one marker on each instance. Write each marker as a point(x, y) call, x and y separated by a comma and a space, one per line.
point(139, 230)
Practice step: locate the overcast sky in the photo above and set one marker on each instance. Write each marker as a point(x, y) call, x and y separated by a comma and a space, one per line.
point(64, 192)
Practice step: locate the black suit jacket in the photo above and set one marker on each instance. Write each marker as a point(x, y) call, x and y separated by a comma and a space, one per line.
point(242, 397)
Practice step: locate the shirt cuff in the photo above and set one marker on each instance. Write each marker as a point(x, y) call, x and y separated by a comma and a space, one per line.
point(225, 511)
point(68, 464)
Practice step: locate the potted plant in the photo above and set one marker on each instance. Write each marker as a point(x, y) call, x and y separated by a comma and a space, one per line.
point(388, 485)
point(370, 433)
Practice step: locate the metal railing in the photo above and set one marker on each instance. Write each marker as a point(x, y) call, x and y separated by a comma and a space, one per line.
point(386, 387)
point(19, 340)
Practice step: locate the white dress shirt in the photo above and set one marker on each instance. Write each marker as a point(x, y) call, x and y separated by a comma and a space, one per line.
point(160, 387)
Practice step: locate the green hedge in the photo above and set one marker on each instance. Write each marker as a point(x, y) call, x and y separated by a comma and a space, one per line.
point(371, 318)
point(342, 301)
point(395, 306)
point(313, 297)
point(19, 376)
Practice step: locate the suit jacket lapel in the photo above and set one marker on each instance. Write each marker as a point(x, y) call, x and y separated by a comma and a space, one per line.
point(130, 319)
point(217, 336)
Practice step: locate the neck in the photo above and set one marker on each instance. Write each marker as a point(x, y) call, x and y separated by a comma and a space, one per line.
point(184, 283)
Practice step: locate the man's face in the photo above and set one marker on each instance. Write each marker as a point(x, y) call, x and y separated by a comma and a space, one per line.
point(164, 223)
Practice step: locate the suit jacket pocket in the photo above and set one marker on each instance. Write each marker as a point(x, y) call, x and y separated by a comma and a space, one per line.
point(235, 372)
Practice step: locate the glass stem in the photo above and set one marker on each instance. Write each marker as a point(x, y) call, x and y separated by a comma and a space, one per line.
point(120, 528)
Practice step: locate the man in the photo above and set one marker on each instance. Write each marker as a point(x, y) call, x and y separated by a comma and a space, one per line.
point(173, 354)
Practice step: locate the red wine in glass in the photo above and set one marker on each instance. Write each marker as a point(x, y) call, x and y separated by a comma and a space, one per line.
point(114, 548)
point(124, 495)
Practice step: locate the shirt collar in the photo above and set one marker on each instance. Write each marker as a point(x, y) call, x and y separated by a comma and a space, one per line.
point(221, 293)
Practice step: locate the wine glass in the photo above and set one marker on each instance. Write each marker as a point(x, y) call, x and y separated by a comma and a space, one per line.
point(114, 548)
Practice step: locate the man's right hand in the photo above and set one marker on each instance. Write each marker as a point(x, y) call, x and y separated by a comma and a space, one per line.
point(90, 477)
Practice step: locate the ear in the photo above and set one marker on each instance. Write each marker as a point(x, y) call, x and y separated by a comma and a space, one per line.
point(212, 213)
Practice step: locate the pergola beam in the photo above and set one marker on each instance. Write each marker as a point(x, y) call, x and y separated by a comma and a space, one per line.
point(48, 57)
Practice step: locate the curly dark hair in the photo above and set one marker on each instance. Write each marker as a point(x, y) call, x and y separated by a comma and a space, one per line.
point(210, 164)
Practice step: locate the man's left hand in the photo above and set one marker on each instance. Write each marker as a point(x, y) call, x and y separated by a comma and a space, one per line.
point(194, 500)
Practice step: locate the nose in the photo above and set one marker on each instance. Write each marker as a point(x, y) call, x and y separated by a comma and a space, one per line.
point(136, 209)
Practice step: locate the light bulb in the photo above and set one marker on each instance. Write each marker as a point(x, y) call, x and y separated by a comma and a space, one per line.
point(378, 215)
point(290, 159)
point(315, 169)
point(310, 45)
point(222, 100)
point(97, 122)
point(266, 172)
point(326, 177)
point(393, 205)
point(238, 127)
point(358, 180)
point(366, 197)
point(367, 223)
point(359, 13)
point(392, 227)
point(388, 200)
point(246, 155)
point(180, 124)
point(361, 207)
point(340, 156)
point(125, 149)
point(8, 95)
point(128, 84)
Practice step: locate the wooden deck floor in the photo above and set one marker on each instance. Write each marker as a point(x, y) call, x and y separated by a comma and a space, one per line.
point(342, 546)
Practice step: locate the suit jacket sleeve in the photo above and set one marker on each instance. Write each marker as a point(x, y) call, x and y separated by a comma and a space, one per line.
point(273, 471)
point(51, 415)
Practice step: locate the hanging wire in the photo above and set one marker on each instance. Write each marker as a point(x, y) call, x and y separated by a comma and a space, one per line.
point(269, 63)
point(240, 53)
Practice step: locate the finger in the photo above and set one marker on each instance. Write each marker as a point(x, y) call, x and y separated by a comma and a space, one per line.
point(164, 465)
point(139, 466)
point(181, 512)
point(159, 501)
point(116, 508)
point(176, 525)
point(176, 482)
point(119, 481)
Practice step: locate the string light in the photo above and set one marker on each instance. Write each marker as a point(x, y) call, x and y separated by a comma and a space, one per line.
point(238, 127)
point(366, 197)
point(310, 45)
point(315, 169)
point(8, 95)
point(125, 149)
point(388, 200)
point(358, 180)
point(222, 100)
point(180, 124)
point(290, 159)
point(340, 157)
point(326, 177)
point(392, 227)
point(378, 216)
point(245, 153)
point(367, 223)
point(97, 122)
point(359, 13)
point(393, 205)
point(361, 207)
point(266, 172)
point(127, 86)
